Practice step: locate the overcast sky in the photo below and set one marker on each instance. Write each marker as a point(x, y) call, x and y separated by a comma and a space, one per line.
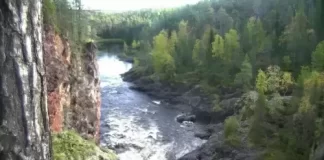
point(125, 5)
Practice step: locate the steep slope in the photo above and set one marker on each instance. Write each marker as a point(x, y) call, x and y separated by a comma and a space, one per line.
point(73, 86)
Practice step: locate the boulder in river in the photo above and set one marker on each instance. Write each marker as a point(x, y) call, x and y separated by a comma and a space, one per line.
point(186, 117)
point(203, 134)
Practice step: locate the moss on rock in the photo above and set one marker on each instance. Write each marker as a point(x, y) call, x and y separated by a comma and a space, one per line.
point(70, 145)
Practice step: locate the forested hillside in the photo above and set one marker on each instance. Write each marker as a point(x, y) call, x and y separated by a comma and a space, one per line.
point(274, 47)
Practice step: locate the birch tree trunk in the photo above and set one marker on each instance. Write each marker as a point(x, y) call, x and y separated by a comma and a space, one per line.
point(24, 131)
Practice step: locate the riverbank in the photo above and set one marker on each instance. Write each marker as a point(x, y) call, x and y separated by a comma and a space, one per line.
point(206, 108)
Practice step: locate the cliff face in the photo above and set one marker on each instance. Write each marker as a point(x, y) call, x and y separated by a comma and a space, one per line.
point(57, 64)
point(73, 86)
point(85, 94)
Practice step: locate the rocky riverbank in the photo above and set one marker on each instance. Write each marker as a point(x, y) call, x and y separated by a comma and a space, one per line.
point(200, 107)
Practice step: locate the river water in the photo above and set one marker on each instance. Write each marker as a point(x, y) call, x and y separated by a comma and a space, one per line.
point(137, 126)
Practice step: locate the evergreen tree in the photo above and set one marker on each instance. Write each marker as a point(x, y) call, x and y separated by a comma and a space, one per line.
point(231, 46)
point(261, 82)
point(244, 77)
point(298, 38)
point(258, 130)
point(218, 47)
point(255, 39)
point(318, 57)
point(196, 53)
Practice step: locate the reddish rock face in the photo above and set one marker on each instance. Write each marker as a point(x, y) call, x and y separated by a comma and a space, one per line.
point(57, 62)
point(72, 86)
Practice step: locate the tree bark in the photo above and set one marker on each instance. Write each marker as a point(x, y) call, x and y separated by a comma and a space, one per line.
point(24, 131)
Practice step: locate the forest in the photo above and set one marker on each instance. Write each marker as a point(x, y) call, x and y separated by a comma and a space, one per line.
point(272, 46)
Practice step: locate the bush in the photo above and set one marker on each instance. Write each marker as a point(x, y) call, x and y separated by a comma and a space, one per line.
point(231, 131)
point(69, 145)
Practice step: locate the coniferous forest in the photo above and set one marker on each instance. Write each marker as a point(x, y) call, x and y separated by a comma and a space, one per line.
point(274, 47)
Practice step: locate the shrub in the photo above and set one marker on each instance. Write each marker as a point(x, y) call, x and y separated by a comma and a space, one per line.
point(231, 131)
point(69, 145)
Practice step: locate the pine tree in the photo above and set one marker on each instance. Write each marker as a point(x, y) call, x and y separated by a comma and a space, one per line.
point(231, 45)
point(173, 42)
point(196, 53)
point(318, 57)
point(257, 133)
point(255, 39)
point(297, 37)
point(231, 131)
point(261, 82)
point(218, 47)
point(244, 77)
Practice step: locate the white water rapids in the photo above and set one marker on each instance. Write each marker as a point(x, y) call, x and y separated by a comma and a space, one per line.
point(137, 126)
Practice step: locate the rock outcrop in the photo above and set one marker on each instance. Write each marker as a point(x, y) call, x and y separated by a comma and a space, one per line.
point(217, 148)
point(57, 65)
point(84, 113)
point(73, 86)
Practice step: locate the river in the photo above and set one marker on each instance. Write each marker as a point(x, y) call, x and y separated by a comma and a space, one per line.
point(137, 126)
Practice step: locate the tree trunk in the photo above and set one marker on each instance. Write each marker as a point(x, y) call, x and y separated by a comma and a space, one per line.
point(24, 131)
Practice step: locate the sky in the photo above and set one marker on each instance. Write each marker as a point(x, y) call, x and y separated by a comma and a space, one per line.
point(126, 5)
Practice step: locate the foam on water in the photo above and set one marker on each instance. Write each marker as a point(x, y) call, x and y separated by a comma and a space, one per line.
point(111, 68)
point(143, 143)
point(140, 127)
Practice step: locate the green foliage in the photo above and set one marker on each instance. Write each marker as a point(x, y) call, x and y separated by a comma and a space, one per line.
point(231, 131)
point(196, 53)
point(255, 38)
point(183, 56)
point(49, 12)
point(273, 79)
point(298, 37)
point(275, 105)
point(286, 81)
point(304, 74)
point(286, 63)
point(69, 144)
point(318, 57)
point(232, 44)
point(218, 47)
point(244, 77)
point(135, 44)
point(261, 82)
point(258, 131)
point(162, 60)
point(217, 107)
point(224, 20)
point(173, 42)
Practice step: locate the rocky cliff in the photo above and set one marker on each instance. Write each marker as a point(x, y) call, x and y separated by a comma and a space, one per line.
point(72, 86)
